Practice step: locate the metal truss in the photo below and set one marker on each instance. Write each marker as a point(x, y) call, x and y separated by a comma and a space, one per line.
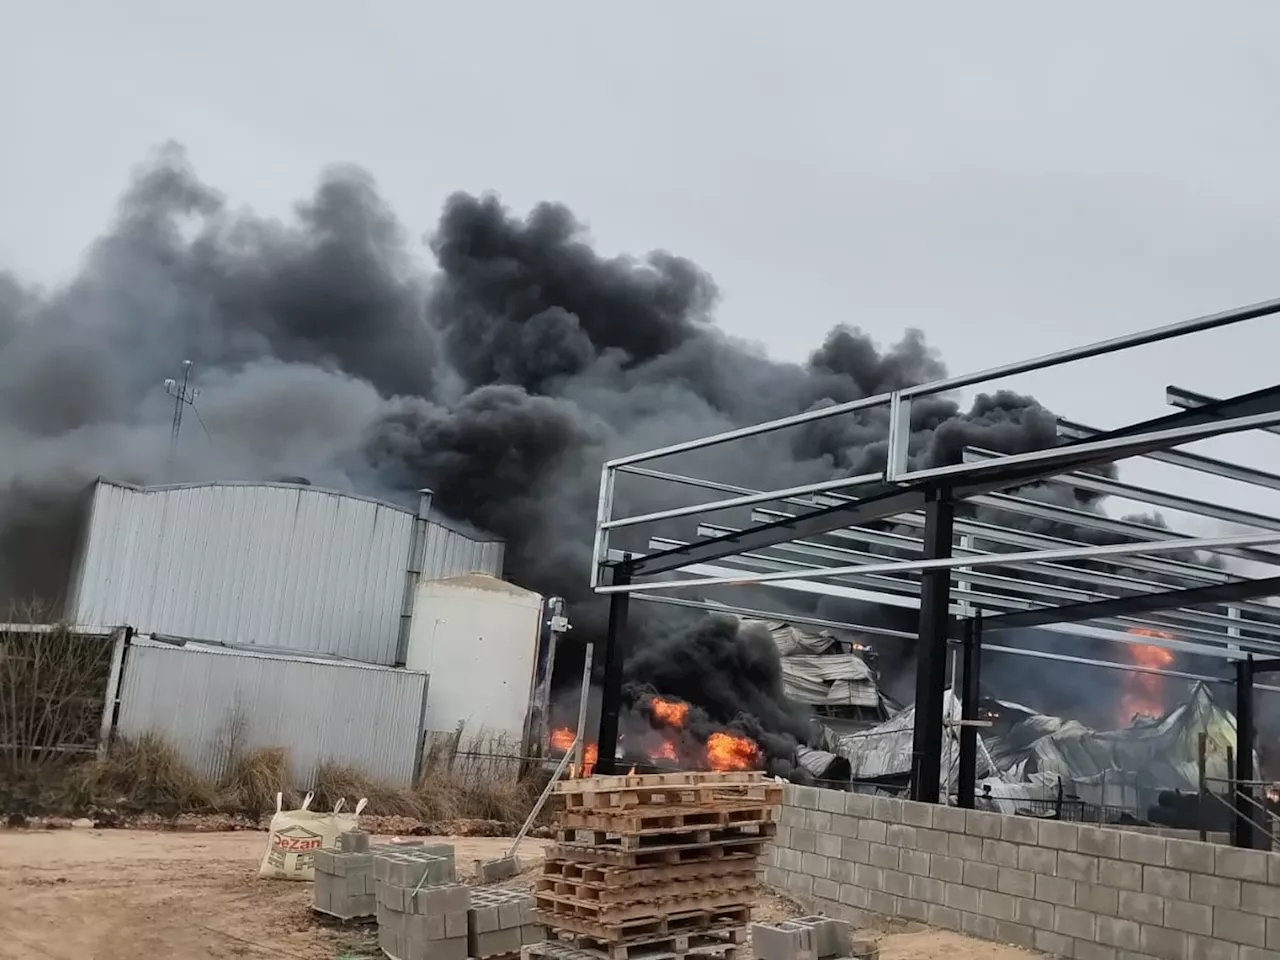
point(941, 540)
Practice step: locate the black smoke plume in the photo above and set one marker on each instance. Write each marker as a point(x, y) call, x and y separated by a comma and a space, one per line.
point(325, 349)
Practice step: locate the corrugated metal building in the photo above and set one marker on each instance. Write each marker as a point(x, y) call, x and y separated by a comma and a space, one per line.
point(207, 700)
point(271, 564)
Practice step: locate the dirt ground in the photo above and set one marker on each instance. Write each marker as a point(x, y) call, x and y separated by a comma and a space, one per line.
point(121, 894)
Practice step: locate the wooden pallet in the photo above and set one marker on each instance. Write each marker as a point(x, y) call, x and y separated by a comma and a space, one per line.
point(668, 818)
point(695, 789)
point(610, 877)
point(684, 853)
point(672, 837)
point(685, 778)
point(604, 913)
point(647, 928)
point(559, 886)
point(723, 944)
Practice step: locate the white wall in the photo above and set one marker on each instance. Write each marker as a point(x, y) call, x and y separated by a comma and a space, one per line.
point(477, 637)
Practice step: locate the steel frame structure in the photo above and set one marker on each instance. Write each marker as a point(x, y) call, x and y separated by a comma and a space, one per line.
point(966, 575)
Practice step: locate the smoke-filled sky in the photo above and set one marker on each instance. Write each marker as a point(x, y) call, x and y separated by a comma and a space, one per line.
point(1008, 178)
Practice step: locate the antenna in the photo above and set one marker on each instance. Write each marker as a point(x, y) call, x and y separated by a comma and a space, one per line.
point(183, 396)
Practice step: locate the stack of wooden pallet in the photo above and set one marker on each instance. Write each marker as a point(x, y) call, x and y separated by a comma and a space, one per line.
point(655, 864)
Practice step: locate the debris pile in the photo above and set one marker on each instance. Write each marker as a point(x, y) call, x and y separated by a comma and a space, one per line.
point(660, 863)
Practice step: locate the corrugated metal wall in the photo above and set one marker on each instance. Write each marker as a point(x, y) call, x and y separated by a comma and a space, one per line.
point(196, 696)
point(275, 565)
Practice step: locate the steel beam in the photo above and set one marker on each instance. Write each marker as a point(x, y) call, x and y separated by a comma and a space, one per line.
point(611, 695)
point(971, 650)
point(1190, 400)
point(931, 650)
point(1138, 603)
point(1244, 833)
point(888, 500)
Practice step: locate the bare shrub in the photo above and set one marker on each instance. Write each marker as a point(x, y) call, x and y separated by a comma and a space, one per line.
point(146, 774)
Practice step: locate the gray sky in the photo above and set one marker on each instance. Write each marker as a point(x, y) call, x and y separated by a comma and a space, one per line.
point(1012, 177)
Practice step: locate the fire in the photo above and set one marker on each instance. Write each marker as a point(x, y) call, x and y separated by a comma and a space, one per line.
point(562, 740)
point(671, 712)
point(727, 752)
point(1144, 693)
point(664, 750)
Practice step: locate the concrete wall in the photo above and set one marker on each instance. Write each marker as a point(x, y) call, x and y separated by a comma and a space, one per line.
point(1075, 891)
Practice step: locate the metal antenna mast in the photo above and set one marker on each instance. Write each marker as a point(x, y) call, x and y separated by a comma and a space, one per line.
point(183, 396)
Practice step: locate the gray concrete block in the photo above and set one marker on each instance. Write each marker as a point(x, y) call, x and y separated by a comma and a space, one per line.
point(868, 877)
point(840, 871)
point(1262, 899)
point(495, 943)
point(917, 814)
point(1075, 923)
point(1000, 853)
point(1142, 908)
point(1022, 830)
point(1189, 855)
point(888, 809)
point(783, 941)
point(1203, 948)
point(855, 851)
point(909, 909)
point(901, 835)
point(976, 925)
point(982, 876)
point(1058, 892)
point(873, 831)
point(1236, 926)
point(1094, 951)
point(831, 937)
point(1120, 874)
point(1054, 944)
point(804, 840)
point(948, 869)
point(819, 821)
point(982, 823)
point(858, 805)
point(1077, 866)
point(829, 844)
point(789, 859)
point(1038, 860)
point(1057, 835)
point(1217, 892)
point(814, 864)
point(1237, 864)
point(353, 841)
point(826, 889)
point(831, 801)
point(853, 895)
point(1118, 933)
point(960, 897)
point(806, 797)
point(532, 933)
point(896, 883)
point(800, 884)
point(1098, 899)
point(949, 819)
point(1143, 848)
point(927, 890)
point(964, 846)
point(499, 869)
point(1166, 883)
point(1016, 934)
point(932, 841)
point(1033, 913)
point(1018, 883)
point(1098, 842)
point(1188, 917)
point(885, 904)
point(943, 916)
point(883, 855)
point(1161, 942)
point(997, 906)
point(843, 825)
point(914, 862)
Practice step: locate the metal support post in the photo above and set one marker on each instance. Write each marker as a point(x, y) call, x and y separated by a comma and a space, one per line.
point(931, 649)
point(611, 695)
point(1244, 834)
point(971, 650)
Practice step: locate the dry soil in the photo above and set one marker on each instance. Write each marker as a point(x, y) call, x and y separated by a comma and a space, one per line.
point(122, 894)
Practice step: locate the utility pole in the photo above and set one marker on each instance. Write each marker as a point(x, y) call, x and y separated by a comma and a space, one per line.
point(183, 395)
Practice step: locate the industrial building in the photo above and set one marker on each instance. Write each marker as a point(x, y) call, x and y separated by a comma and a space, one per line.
point(340, 627)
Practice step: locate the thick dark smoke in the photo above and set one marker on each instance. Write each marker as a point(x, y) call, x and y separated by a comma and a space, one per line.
point(500, 379)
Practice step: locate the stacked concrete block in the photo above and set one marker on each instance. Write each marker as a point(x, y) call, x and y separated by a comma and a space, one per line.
point(809, 938)
point(495, 871)
point(500, 923)
point(344, 884)
point(1071, 890)
point(421, 910)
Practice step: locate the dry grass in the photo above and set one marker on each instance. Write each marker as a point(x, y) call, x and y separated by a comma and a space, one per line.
point(147, 775)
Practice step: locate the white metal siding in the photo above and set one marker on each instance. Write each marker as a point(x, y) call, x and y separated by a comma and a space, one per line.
point(366, 716)
point(273, 565)
point(451, 554)
point(478, 637)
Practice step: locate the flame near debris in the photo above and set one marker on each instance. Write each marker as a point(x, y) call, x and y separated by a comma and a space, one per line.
point(668, 742)
point(1144, 692)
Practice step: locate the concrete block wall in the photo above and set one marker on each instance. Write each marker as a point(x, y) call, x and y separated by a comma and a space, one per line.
point(1071, 890)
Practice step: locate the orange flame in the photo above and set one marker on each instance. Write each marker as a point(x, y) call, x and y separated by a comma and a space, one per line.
point(1144, 692)
point(562, 740)
point(727, 752)
point(665, 750)
point(671, 712)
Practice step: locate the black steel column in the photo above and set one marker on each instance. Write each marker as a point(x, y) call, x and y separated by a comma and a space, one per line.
point(971, 665)
point(931, 649)
point(611, 695)
point(1247, 813)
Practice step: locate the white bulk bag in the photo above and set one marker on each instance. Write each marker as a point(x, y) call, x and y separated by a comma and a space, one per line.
point(296, 835)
